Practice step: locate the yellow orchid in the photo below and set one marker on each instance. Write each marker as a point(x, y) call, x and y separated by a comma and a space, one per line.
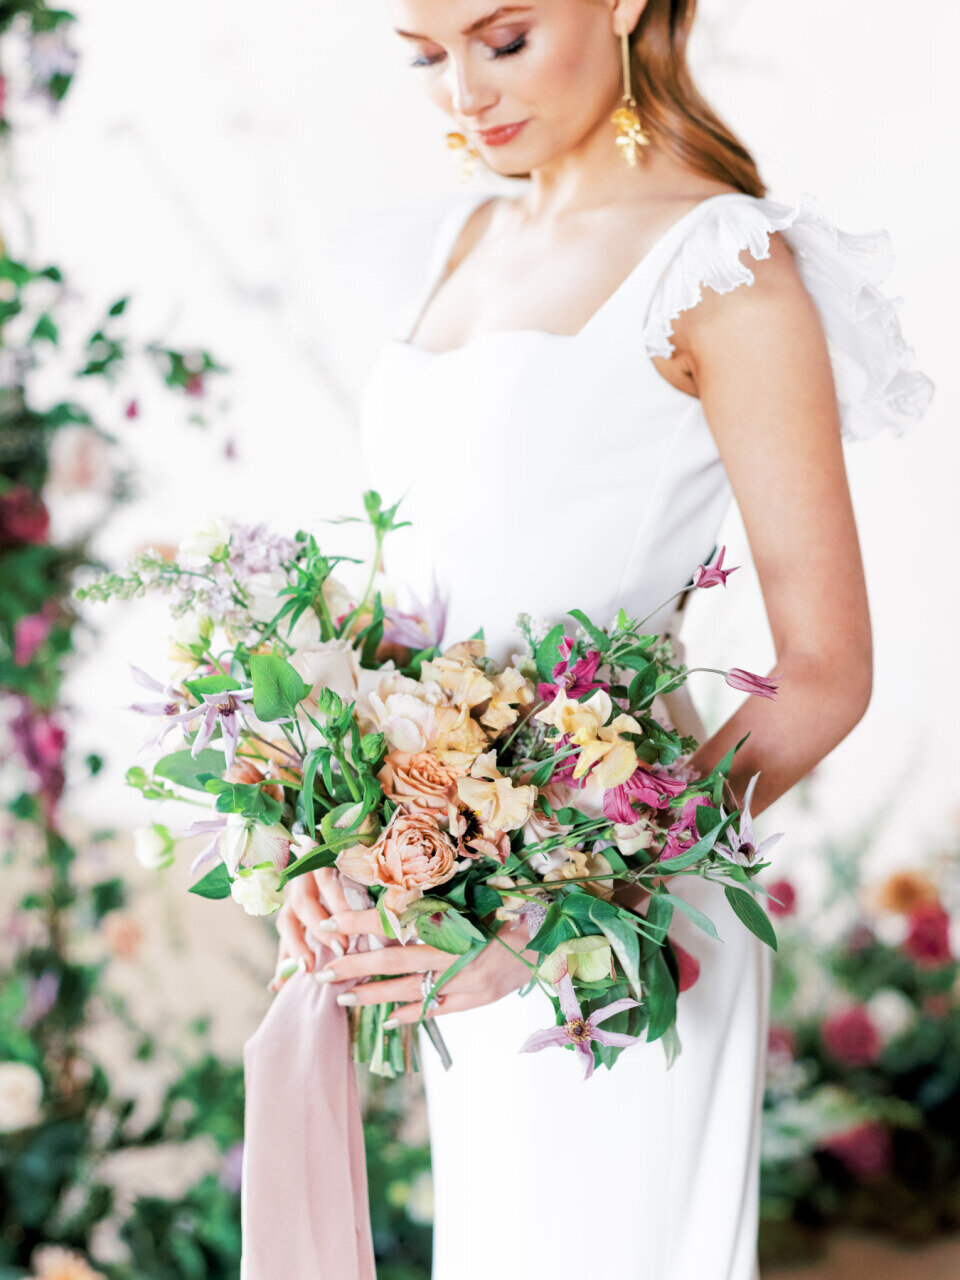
point(579, 864)
point(510, 692)
point(456, 671)
point(495, 800)
point(600, 743)
point(459, 738)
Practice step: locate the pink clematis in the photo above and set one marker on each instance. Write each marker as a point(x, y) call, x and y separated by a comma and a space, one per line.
point(577, 679)
point(713, 575)
point(648, 785)
point(682, 834)
point(419, 628)
point(747, 682)
point(580, 1031)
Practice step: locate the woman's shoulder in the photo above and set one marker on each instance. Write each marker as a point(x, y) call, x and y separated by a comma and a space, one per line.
point(739, 239)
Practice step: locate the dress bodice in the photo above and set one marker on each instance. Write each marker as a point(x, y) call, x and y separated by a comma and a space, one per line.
point(543, 472)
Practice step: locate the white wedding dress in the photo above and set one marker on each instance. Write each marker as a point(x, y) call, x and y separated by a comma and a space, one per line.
point(542, 473)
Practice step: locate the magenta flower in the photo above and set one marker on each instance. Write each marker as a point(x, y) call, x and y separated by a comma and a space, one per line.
point(29, 633)
point(713, 575)
point(747, 682)
point(580, 1031)
point(419, 628)
point(682, 834)
point(648, 785)
point(576, 680)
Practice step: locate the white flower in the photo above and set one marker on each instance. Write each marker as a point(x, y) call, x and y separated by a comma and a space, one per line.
point(193, 629)
point(420, 1200)
point(258, 890)
point(246, 843)
point(205, 543)
point(891, 1011)
point(21, 1092)
point(153, 846)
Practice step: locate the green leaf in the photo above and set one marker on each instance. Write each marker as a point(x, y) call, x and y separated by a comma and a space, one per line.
point(211, 684)
point(661, 991)
point(556, 928)
point(599, 638)
point(483, 899)
point(312, 861)
point(752, 914)
point(622, 938)
point(185, 770)
point(548, 652)
point(215, 884)
point(277, 687)
point(692, 913)
point(448, 930)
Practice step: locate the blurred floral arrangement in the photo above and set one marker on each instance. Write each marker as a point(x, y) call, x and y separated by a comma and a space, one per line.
point(862, 1109)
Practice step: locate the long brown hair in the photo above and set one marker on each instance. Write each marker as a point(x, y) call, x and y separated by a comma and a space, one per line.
point(672, 110)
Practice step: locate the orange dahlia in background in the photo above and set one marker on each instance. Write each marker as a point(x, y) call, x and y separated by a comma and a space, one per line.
point(905, 891)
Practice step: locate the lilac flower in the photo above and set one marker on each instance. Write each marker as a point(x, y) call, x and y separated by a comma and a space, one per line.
point(580, 1031)
point(221, 708)
point(647, 785)
point(256, 549)
point(747, 682)
point(41, 997)
point(743, 848)
point(231, 1167)
point(575, 680)
point(421, 626)
point(715, 574)
point(174, 700)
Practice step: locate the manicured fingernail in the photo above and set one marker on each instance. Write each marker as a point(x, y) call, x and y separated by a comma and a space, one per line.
point(390, 1024)
point(335, 946)
point(328, 926)
point(347, 998)
point(326, 975)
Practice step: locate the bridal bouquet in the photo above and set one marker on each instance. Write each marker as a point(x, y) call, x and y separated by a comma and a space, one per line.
point(324, 730)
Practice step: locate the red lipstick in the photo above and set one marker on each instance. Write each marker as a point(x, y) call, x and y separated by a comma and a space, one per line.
point(499, 134)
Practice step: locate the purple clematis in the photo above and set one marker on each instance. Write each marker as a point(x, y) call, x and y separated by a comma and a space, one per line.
point(577, 679)
point(419, 628)
point(580, 1031)
point(743, 848)
point(223, 708)
point(747, 682)
point(713, 575)
point(172, 701)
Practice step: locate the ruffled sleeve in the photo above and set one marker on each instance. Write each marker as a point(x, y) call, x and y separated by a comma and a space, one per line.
point(877, 386)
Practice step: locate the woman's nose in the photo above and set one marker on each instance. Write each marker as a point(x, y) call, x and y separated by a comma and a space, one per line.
point(468, 94)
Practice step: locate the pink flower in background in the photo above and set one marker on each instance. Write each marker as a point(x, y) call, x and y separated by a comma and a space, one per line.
point(23, 516)
point(648, 785)
point(783, 898)
point(194, 385)
point(747, 682)
point(580, 1031)
point(861, 937)
point(928, 942)
point(132, 410)
point(936, 1005)
point(713, 575)
point(29, 634)
point(231, 1167)
point(866, 1151)
point(41, 997)
point(683, 834)
point(781, 1044)
point(420, 627)
point(576, 680)
point(852, 1037)
point(3, 94)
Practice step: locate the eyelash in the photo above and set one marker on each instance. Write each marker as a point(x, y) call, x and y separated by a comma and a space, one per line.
point(504, 51)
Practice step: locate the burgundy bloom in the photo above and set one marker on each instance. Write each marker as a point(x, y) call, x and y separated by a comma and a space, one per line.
point(783, 898)
point(648, 785)
point(861, 937)
point(576, 680)
point(852, 1037)
point(780, 1043)
point(132, 409)
point(713, 575)
point(865, 1151)
point(928, 942)
point(580, 1031)
point(747, 682)
point(23, 516)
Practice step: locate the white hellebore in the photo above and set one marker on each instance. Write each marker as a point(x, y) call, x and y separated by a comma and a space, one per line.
point(21, 1092)
point(153, 846)
point(205, 543)
point(245, 842)
point(259, 890)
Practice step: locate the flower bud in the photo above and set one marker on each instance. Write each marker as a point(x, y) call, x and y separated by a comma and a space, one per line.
point(153, 846)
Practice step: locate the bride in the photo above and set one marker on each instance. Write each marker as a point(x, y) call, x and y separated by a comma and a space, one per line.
point(596, 363)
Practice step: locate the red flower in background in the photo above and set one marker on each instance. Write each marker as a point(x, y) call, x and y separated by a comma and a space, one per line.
point(852, 1037)
point(688, 965)
point(865, 1151)
point(23, 516)
point(780, 1043)
point(783, 898)
point(928, 942)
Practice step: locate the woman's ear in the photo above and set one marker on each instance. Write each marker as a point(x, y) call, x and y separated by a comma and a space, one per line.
point(626, 14)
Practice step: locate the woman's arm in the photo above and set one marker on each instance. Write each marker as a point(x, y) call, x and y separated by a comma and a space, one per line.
point(758, 359)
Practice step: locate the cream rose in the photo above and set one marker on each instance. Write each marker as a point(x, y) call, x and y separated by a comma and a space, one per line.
point(411, 855)
point(259, 890)
point(21, 1092)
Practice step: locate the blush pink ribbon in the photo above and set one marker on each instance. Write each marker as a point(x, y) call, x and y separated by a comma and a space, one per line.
point(304, 1207)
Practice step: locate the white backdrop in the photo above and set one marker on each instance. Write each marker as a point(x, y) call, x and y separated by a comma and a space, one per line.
point(210, 151)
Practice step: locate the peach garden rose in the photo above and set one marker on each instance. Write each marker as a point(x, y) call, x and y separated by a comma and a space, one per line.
point(412, 854)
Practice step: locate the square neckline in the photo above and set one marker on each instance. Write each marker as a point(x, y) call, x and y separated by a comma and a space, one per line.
point(438, 273)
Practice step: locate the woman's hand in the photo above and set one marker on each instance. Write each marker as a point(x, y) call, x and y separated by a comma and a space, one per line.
point(308, 901)
point(495, 972)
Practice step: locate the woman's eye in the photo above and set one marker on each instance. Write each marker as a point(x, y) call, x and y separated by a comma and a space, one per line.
point(425, 60)
point(504, 50)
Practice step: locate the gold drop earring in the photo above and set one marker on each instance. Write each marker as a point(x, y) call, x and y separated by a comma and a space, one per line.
point(458, 142)
point(626, 118)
